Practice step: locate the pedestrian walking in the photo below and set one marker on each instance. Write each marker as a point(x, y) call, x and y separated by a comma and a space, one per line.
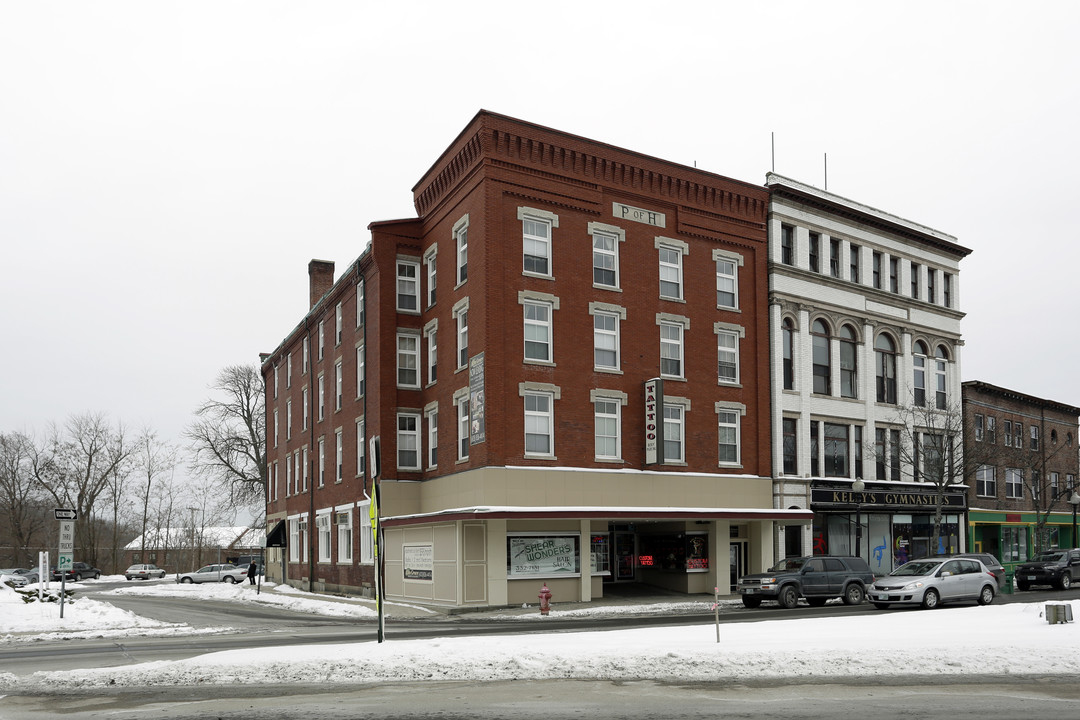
point(253, 570)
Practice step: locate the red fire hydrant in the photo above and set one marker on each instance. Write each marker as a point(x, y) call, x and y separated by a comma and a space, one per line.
point(545, 600)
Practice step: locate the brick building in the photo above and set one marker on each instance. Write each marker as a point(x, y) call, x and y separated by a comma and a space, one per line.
point(1022, 469)
point(865, 325)
point(565, 360)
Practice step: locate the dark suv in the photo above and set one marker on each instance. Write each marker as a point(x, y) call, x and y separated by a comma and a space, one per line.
point(1050, 567)
point(817, 579)
point(78, 571)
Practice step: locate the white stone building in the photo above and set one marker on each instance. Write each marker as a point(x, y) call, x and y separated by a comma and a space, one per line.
point(864, 320)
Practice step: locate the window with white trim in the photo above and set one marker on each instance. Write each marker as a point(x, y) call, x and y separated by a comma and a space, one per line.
point(539, 440)
point(461, 404)
point(605, 259)
point(339, 460)
point(941, 366)
point(288, 477)
point(359, 304)
point(431, 334)
point(408, 360)
point(727, 343)
point(360, 368)
point(288, 419)
point(304, 409)
point(728, 422)
point(607, 413)
point(322, 338)
point(343, 523)
point(288, 371)
point(461, 245)
point(294, 540)
point(337, 324)
point(338, 383)
point(322, 462)
point(537, 331)
point(671, 349)
point(302, 462)
point(671, 272)
point(322, 525)
point(408, 441)
point(985, 481)
point(305, 354)
point(275, 380)
point(322, 397)
point(276, 428)
point(536, 244)
point(366, 536)
point(432, 415)
point(408, 286)
point(605, 340)
point(727, 283)
point(360, 448)
point(674, 434)
point(1014, 483)
point(461, 321)
point(429, 265)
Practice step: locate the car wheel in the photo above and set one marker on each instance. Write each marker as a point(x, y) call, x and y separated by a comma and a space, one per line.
point(186, 580)
point(1022, 586)
point(816, 602)
point(881, 606)
point(229, 579)
point(788, 597)
point(97, 576)
point(751, 602)
point(930, 599)
point(127, 577)
point(1065, 582)
point(854, 595)
point(987, 595)
point(78, 577)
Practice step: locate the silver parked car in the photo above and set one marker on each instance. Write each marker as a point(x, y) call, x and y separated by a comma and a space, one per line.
point(933, 581)
point(144, 572)
point(214, 573)
point(12, 577)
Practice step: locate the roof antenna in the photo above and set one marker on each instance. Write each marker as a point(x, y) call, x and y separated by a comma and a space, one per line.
point(826, 172)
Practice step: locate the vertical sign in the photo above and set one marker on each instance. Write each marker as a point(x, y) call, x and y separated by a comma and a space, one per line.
point(66, 546)
point(654, 403)
point(476, 399)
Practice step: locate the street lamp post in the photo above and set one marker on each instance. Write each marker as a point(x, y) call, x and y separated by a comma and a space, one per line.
point(858, 486)
point(1074, 501)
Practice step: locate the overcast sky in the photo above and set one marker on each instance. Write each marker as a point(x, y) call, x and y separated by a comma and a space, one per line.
point(167, 170)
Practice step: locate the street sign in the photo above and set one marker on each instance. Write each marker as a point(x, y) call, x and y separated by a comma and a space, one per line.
point(66, 545)
point(65, 514)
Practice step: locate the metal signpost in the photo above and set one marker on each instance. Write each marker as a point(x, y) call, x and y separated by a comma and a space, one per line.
point(65, 549)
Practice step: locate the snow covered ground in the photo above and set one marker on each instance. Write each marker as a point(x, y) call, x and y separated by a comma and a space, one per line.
point(967, 640)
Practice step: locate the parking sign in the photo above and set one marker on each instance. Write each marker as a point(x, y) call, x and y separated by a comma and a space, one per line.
point(66, 546)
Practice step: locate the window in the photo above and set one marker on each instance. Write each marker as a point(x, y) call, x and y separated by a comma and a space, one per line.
point(934, 453)
point(1034, 437)
point(339, 450)
point(822, 361)
point(322, 524)
point(914, 281)
point(836, 450)
point(461, 318)
point(607, 413)
point(849, 376)
point(605, 259)
point(670, 272)
point(321, 479)
point(885, 357)
point(787, 244)
point(305, 354)
point(408, 286)
point(727, 283)
point(288, 419)
point(1054, 489)
point(322, 339)
point(275, 380)
point(815, 460)
point(1008, 433)
point(337, 325)
point(538, 424)
point(359, 306)
point(322, 397)
point(834, 257)
point(605, 340)
point(877, 270)
point(431, 332)
point(366, 535)
point(1018, 435)
point(894, 275)
point(304, 409)
point(671, 349)
point(788, 338)
point(462, 404)
point(361, 442)
point(429, 265)
point(536, 243)
point(302, 462)
point(343, 521)
point(674, 434)
point(433, 437)
point(991, 430)
point(727, 344)
point(288, 477)
point(288, 371)
point(538, 331)
point(408, 441)
point(728, 433)
point(853, 270)
point(360, 371)
point(918, 362)
point(941, 365)
point(815, 252)
point(408, 361)
point(294, 540)
point(461, 242)
point(790, 432)
point(979, 427)
point(946, 289)
point(887, 453)
point(931, 285)
point(338, 380)
point(1014, 484)
point(985, 482)
point(275, 427)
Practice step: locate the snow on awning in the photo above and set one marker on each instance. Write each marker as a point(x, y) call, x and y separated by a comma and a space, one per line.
point(797, 516)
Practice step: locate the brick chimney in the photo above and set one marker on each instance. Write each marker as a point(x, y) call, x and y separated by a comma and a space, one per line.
point(321, 279)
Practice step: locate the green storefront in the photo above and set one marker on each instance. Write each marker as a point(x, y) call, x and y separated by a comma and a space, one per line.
point(1010, 536)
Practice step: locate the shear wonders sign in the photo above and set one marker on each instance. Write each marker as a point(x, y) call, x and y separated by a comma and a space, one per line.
point(654, 403)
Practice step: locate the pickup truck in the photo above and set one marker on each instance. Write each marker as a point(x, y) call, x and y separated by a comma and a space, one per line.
point(817, 579)
point(214, 573)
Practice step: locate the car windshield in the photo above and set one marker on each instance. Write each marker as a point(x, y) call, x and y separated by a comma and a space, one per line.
point(788, 565)
point(917, 568)
point(1049, 556)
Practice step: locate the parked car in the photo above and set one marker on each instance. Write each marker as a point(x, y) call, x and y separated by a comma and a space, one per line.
point(933, 581)
point(12, 577)
point(1058, 568)
point(214, 573)
point(144, 572)
point(996, 569)
point(817, 579)
point(78, 571)
point(30, 574)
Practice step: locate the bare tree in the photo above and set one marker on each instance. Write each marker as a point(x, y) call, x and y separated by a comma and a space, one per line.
point(156, 461)
point(21, 499)
point(228, 437)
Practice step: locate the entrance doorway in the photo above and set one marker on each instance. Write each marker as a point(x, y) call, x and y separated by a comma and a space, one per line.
point(738, 554)
point(623, 556)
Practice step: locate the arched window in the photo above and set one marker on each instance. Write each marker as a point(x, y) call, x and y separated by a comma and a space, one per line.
point(918, 362)
point(885, 359)
point(821, 356)
point(941, 366)
point(787, 331)
point(848, 362)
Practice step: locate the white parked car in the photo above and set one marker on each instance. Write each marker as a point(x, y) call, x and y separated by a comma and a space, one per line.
point(214, 573)
point(144, 572)
point(12, 577)
point(933, 581)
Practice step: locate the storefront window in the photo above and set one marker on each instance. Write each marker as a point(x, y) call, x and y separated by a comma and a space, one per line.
point(1014, 544)
point(600, 554)
point(687, 552)
point(531, 555)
